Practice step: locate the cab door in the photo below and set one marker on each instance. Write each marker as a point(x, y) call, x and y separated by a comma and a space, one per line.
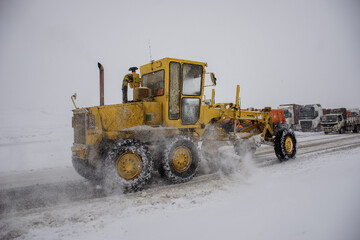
point(185, 88)
point(191, 93)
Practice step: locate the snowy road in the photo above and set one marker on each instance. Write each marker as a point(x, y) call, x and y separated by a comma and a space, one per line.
point(44, 187)
point(318, 192)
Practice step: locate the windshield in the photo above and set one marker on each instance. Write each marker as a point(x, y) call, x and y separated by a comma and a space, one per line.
point(154, 81)
point(307, 113)
point(287, 113)
point(329, 118)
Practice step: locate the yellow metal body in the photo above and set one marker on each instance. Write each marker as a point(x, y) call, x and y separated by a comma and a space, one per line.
point(163, 64)
point(152, 116)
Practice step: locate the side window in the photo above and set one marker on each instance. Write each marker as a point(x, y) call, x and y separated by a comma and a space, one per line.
point(174, 91)
point(190, 110)
point(192, 76)
point(316, 114)
point(154, 81)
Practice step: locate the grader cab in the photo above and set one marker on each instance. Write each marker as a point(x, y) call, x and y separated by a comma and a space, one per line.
point(161, 127)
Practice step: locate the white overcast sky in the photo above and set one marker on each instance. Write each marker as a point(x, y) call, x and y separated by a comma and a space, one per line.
point(281, 51)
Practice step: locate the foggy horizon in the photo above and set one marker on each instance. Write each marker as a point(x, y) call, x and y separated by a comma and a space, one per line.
point(279, 52)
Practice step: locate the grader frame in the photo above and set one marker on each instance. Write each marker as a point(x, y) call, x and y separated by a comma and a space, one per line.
point(166, 119)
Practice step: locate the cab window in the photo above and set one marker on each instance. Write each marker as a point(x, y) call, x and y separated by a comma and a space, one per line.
point(190, 110)
point(192, 78)
point(154, 81)
point(174, 91)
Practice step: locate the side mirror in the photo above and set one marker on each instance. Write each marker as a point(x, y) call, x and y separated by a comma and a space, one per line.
point(213, 78)
point(316, 114)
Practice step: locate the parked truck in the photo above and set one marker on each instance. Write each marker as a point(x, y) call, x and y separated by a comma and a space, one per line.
point(338, 120)
point(310, 117)
point(354, 112)
point(279, 120)
point(291, 112)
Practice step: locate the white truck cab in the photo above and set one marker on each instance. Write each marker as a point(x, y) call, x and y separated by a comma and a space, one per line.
point(310, 117)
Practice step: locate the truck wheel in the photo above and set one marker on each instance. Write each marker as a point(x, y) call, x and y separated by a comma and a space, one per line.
point(128, 166)
point(181, 159)
point(84, 169)
point(341, 131)
point(356, 129)
point(285, 144)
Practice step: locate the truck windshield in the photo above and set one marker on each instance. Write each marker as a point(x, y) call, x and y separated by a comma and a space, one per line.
point(287, 113)
point(329, 118)
point(154, 81)
point(307, 113)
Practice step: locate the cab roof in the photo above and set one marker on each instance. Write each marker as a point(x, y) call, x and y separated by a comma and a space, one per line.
point(161, 63)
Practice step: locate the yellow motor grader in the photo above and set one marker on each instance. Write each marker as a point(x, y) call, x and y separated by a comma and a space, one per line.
point(161, 127)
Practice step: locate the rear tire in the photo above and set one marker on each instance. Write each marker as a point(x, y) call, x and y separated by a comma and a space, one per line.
point(128, 166)
point(285, 144)
point(181, 159)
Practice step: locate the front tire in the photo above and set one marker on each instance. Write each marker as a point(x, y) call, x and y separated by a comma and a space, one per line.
point(341, 131)
point(285, 144)
point(128, 166)
point(356, 129)
point(181, 159)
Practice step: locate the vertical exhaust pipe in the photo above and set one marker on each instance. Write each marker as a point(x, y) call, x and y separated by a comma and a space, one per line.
point(101, 68)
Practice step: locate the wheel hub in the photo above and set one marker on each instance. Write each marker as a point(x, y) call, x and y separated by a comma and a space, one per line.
point(129, 165)
point(182, 159)
point(289, 145)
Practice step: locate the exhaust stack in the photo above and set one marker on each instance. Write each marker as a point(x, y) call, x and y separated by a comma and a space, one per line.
point(101, 68)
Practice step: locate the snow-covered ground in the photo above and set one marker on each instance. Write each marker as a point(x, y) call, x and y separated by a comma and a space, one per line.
point(308, 198)
point(33, 139)
point(315, 196)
